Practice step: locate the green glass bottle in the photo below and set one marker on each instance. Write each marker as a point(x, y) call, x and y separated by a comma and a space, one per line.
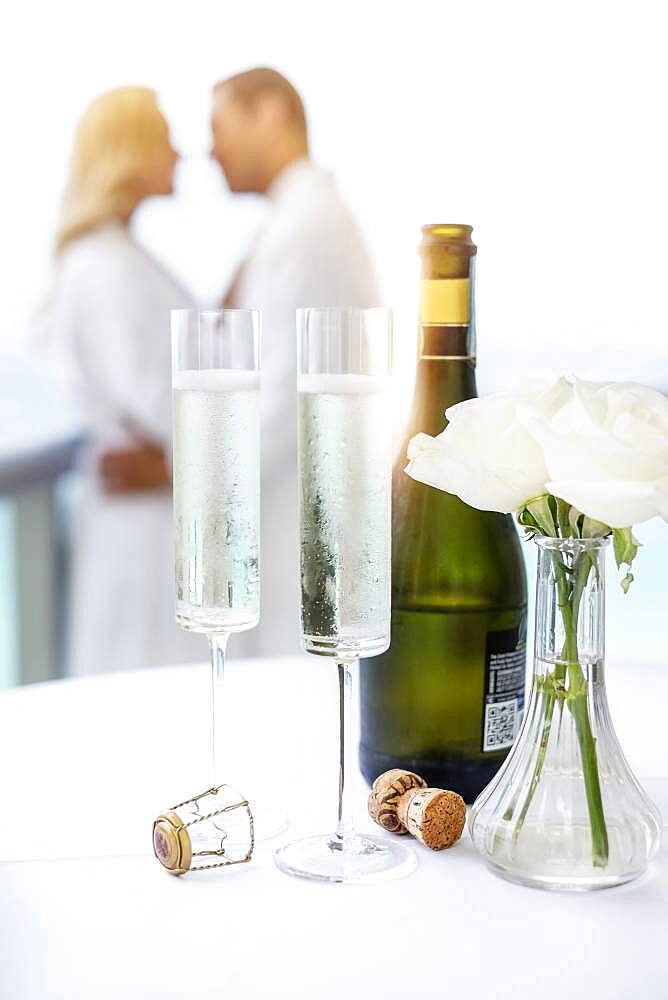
point(447, 698)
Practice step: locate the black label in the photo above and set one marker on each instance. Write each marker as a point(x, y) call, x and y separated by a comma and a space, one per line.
point(505, 676)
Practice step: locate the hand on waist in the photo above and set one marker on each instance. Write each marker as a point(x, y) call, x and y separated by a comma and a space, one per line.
point(139, 467)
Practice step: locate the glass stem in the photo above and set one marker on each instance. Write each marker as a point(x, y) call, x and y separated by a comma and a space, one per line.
point(345, 828)
point(217, 646)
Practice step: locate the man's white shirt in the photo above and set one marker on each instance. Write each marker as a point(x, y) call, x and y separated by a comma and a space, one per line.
point(310, 253)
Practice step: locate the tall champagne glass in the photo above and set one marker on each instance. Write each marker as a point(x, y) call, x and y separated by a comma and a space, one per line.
point(216, 467)
point(344, 509)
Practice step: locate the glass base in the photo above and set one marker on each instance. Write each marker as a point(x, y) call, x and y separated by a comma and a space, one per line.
point(365, 859)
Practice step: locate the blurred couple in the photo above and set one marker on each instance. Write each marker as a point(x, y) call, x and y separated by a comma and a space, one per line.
point(109, 317)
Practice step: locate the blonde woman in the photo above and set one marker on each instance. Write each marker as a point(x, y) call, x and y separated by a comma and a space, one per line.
point(109, 318)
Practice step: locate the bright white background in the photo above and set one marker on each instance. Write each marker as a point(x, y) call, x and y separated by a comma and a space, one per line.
point(541, 124)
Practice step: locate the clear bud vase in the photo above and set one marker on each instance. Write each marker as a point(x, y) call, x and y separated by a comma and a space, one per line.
point(565, 811)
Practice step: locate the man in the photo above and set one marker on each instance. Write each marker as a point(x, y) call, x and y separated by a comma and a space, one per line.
point(310, 253)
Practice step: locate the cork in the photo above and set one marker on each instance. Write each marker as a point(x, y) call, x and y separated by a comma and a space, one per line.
point(386, 792)
point(433, 816)
point(400, 802)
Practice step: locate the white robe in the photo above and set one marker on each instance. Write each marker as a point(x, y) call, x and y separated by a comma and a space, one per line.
point(108, 322)
point(309, 254)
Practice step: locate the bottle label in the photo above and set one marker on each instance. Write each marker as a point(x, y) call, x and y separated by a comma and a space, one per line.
point(445, 300)
point(505, 676)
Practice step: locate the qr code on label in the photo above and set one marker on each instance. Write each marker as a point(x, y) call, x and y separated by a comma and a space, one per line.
point(501, 719)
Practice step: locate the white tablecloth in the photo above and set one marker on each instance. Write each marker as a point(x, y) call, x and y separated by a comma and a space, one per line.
point(88, 913)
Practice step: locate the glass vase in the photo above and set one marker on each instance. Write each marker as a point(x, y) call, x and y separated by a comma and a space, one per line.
point(565, 811)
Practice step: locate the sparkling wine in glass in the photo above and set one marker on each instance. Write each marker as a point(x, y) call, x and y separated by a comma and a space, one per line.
point(216, 499)
point(216, 471)
point(345, 440)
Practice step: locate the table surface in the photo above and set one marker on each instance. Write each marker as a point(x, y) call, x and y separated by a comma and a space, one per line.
point(88, 913)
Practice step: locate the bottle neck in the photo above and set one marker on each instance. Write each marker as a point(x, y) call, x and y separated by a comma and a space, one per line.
point(447, 315)
point(446, 349)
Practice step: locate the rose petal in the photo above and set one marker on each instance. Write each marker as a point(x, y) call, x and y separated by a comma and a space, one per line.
point(616, 502)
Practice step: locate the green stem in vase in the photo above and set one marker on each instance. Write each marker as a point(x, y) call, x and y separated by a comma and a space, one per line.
point(571, 586)
point(550, 699)
point(553, 687)
point(570, 596)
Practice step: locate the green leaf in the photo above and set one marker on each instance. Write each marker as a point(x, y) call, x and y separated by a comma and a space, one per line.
point(625, 545)
point(540, 511)
point(563, 518)
point(552, 501)
point(574, 519)
point(626, 549)
point(525, 519)
point(594, 529)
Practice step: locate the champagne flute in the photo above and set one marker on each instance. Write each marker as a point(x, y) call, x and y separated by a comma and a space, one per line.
point(216, 469)
point(345, 430)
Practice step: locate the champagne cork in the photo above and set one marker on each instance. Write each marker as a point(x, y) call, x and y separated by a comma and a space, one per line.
point(433, 816)
point(400, 802)
point(385, 794)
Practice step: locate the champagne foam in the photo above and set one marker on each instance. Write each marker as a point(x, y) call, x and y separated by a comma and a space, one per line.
point(357, 385)
point(217, 380)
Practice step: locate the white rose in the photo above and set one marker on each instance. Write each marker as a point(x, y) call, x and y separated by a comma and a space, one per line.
point(486, 456)
point(606, 451)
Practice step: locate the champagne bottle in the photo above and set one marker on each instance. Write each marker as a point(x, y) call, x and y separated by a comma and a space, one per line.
point(446, 699)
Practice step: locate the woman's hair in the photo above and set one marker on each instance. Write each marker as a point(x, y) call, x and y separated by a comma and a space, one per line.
point(117, 135)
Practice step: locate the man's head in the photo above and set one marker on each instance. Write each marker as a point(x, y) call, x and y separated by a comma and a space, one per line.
point(259, 127)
